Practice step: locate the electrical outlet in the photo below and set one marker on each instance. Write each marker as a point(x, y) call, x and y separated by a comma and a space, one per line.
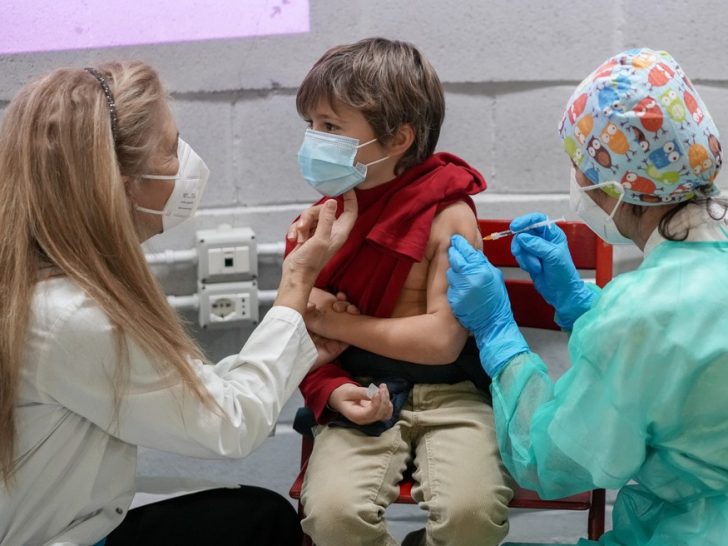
point(226, 254)
point(223, 307)
point(228, 304)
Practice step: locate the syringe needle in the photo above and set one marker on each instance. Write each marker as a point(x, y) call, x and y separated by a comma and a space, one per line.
point(498, 234)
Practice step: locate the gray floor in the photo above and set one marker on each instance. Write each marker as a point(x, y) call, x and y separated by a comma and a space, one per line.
point(275, 465)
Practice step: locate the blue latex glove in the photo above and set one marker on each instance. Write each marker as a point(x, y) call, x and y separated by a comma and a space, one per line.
point(478, 297)
point(544, 254)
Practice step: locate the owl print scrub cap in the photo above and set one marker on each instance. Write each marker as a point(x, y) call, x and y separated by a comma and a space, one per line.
point(638, 120)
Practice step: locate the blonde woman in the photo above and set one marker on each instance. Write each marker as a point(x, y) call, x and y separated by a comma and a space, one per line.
point(93, 362)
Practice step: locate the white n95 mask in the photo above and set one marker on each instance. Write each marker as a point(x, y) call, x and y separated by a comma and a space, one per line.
point(326, 162)
point(593, 215)
point(189, 185)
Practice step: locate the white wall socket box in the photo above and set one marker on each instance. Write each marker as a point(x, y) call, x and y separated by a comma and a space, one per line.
point(228, 304)
point(226, 254)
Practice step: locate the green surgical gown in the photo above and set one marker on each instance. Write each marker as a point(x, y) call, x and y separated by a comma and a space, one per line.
point(643, 407)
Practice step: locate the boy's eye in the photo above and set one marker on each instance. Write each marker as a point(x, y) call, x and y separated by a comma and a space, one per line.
point(330, 126)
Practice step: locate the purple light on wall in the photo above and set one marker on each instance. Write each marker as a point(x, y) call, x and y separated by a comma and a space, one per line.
point(51, 25)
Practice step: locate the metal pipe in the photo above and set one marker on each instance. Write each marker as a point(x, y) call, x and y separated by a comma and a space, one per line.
point(271, 249)
point(191, 302)
point(170, 257)
point(266, 297)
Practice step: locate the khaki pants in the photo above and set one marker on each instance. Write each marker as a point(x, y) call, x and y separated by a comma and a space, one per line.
point(461, 482)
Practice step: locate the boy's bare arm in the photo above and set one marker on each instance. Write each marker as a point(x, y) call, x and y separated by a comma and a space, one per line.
point(434, 337)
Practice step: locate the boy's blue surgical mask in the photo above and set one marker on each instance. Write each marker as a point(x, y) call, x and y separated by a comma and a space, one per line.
point(326, 162)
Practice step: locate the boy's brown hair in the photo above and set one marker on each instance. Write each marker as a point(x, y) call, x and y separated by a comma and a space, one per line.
point(389, 82)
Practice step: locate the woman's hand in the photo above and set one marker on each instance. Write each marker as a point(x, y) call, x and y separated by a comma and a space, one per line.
point(479, 300)
point(476, 291)
point(354, 403)
point(328, 349)
point(307, 223)
point(544, 254)
point(305, 226)
point(318, 311)
point(304, 263)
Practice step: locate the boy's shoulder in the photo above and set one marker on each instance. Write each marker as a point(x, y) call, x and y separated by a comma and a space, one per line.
point(454, 218)
point(455, 214)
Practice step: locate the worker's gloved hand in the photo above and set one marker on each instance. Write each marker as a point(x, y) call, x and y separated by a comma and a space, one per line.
point(544, 254)
point(478, 297)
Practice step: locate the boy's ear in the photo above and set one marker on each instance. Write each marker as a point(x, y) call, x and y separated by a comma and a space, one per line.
point(401, 140)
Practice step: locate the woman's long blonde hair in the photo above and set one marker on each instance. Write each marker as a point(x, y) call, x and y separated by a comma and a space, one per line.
point(63, 205)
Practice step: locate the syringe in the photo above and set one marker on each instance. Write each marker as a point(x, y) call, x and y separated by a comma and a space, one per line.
point(498, 234)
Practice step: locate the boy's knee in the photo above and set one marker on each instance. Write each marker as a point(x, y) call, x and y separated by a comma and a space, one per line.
point(475, 516)
point(340, 508)
point(469, 509)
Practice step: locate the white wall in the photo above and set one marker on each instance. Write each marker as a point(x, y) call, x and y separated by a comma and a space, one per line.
point(508, 68)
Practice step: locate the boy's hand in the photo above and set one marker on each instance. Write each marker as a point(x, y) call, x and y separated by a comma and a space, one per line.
point(322, 300)
point(304, 229)
point(328, 349)
point(353, 403)
point(341, 305)
point(320, 316)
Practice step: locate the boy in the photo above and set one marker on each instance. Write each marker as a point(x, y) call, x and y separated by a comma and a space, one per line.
point(375, 109)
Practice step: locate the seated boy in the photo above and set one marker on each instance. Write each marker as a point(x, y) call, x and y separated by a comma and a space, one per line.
point(375, 109)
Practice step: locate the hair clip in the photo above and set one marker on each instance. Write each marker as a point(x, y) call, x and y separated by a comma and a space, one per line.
point(109, 100)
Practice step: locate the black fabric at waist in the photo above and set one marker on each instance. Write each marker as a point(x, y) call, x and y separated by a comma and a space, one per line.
point(361, 363)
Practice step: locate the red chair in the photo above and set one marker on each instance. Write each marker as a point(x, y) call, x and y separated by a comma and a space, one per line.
point(531, 311)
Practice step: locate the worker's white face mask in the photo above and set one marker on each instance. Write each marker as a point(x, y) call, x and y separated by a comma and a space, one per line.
point(593, 215)
point(189, 185)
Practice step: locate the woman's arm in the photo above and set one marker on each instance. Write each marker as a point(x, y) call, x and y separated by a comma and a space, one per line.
point(157, 410)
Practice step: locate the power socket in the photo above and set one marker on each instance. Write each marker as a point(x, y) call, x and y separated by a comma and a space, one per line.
point(228, 304)
point(224, 307)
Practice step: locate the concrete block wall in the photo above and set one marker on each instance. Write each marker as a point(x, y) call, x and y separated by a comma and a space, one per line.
point(507, 67)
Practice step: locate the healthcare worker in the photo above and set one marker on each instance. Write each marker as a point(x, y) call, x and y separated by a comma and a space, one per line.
point(93, 361)
point(645, 397)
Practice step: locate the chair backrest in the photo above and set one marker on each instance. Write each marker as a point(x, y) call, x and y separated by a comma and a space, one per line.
point(588, 251)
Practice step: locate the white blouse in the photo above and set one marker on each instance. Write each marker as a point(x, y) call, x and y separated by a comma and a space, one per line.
point(76, 463)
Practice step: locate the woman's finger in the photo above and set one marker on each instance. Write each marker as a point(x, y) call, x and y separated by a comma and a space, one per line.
point(327, 216)
point(345, 221)
point(465, 249)
point(306, 224)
